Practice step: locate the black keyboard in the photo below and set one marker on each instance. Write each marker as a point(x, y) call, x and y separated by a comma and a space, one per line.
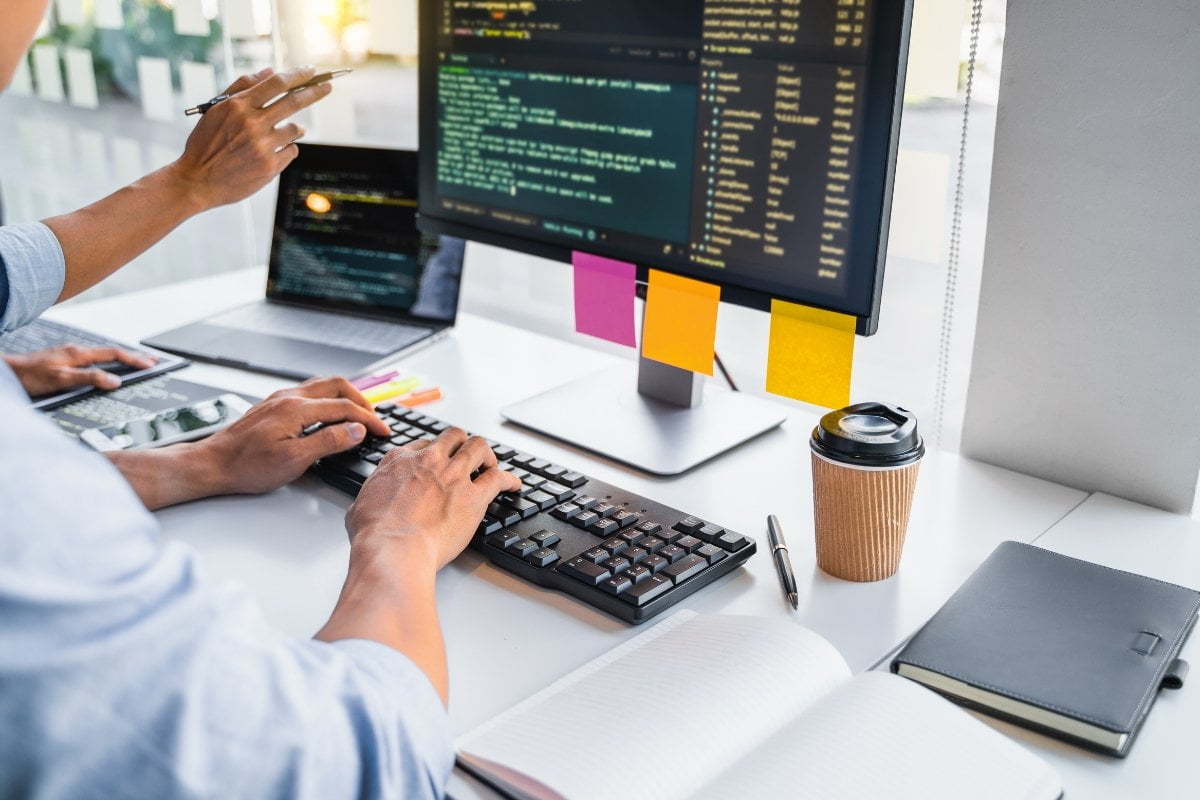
point(613, 549)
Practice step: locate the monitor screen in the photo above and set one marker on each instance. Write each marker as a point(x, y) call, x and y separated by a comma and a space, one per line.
point(346, 236)
point(746, 143)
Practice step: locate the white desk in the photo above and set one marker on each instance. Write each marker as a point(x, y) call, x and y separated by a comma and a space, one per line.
point(507, 639)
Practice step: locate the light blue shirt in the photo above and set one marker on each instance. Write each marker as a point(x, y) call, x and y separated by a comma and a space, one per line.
point(125, 674)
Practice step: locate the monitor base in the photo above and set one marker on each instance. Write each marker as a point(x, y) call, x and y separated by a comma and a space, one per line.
point(605, 414)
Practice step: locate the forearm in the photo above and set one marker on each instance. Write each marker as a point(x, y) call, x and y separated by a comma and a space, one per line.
point(170, 475)
point(389, 597)
point(105, 236)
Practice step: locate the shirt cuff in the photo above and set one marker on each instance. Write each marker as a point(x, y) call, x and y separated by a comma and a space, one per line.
point(424, 714)
point(36, 268)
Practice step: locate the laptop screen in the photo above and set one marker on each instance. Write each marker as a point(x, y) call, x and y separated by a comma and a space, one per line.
point(346, 237)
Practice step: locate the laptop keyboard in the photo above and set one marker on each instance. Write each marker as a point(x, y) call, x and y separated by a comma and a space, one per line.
point(605, 546)
point(318, 327)
point(42, 334)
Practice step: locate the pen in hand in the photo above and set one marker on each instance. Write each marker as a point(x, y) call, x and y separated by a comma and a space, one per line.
point(324, 77)
point(783, 562)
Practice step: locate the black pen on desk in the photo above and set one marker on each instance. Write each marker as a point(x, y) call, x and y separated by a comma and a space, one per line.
point(324, 77)
point(783, 562)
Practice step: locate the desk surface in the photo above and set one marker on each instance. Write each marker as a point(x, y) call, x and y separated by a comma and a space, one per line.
point(507, 639)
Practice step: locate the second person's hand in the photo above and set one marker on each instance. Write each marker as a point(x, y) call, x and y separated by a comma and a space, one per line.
point(242, 143)
point(68, 366)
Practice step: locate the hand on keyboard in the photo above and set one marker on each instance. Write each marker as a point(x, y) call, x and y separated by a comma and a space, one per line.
point(69, 366)
point(266, 449)
point(426, 498)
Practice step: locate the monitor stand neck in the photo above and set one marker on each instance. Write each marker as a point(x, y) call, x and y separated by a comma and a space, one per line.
point(663, 420)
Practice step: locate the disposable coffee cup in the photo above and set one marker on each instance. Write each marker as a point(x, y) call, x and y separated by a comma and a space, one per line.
point(865, 459)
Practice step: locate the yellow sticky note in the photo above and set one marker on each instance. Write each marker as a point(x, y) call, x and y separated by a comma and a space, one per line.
point(680, 328)
point(810, 355)
point(386, 391)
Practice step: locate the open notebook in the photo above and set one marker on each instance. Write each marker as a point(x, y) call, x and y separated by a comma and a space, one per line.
point(724, 706)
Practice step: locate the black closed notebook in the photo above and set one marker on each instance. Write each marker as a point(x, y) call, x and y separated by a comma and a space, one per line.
point(1067, 647)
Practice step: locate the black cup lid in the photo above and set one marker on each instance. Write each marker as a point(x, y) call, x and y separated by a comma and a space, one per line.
point(869, 434)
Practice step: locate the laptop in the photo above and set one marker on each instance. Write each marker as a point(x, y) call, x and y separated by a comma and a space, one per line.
point(351, 281)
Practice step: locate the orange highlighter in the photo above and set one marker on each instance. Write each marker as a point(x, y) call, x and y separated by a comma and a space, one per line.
point(420, 397)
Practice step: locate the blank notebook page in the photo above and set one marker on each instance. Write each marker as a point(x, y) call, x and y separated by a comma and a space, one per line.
point(666, 712)
point(884, 736)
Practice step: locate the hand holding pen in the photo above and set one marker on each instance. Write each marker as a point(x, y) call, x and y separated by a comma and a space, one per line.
point(246, 140)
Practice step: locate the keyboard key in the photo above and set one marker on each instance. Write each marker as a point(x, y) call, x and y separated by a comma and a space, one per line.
point(649, 528)
point(427, 422)
point(440, 427)
point(605, 509)
point(584, 518)
point(400, 441)
point(689, 525)
point(363, 469)
point(604, 527)
point(536, 465)
point(586, 571)
point(643, 592)
point(385, 408)
point(672, 553)
point(385, 448)
point(546, 538)
point(522, 547)
point(410, 415)
point(616, 584)
point(553, 471)
point(616, 564)
point(624, 518)
point(586, 502)
point(596, 555)
point(631, 535)
point(670, 535)
point(637, 573)
point(504, 514)
point(636, 554)
point(732, 541)
point(710, 553)
point(708, 533)
point(544, 501)
point(521, 459)
point(519, 504)
point(487, 526)
point(521, 474)
point(503, 452)
point(565, 511)
point(373, 458)
point(525, 490)
point(415, 433)
point(535, 481)
point(651, 544)
point(572, 479)
point(614, 545)
point(558, 490)
point(688, 543)
point(687, 567)
point(542, 558)
point(503, 539)
point(655, 563)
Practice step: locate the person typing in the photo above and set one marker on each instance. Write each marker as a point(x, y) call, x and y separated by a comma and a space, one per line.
point(124, 672)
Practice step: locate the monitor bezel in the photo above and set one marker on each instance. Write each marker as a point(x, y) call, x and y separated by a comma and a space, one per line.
point(880, 133)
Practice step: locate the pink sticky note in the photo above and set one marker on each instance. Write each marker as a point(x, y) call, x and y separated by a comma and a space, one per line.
point(604, 291)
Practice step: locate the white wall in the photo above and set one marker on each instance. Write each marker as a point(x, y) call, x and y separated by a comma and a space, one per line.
point(1087, 356)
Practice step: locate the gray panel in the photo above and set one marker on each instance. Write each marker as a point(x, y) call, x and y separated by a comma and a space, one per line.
point(1087, 354)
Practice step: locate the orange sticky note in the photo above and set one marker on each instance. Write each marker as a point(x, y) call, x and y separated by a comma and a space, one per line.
point(811, 354)
point(680, 328)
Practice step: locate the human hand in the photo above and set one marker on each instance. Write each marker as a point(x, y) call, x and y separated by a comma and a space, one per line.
point(422, 499)
point(240, 145)
point(265, 449)
point(69, 366)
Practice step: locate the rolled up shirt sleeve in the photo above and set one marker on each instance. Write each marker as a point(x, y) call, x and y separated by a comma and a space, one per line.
point(33, 270)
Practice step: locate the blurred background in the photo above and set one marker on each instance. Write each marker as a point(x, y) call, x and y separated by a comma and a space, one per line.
point(99, 102)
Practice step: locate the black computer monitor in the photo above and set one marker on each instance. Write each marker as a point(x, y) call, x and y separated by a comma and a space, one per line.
point(747, 144)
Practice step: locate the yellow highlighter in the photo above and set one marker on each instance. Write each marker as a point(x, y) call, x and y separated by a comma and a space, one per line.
point(386, 391)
